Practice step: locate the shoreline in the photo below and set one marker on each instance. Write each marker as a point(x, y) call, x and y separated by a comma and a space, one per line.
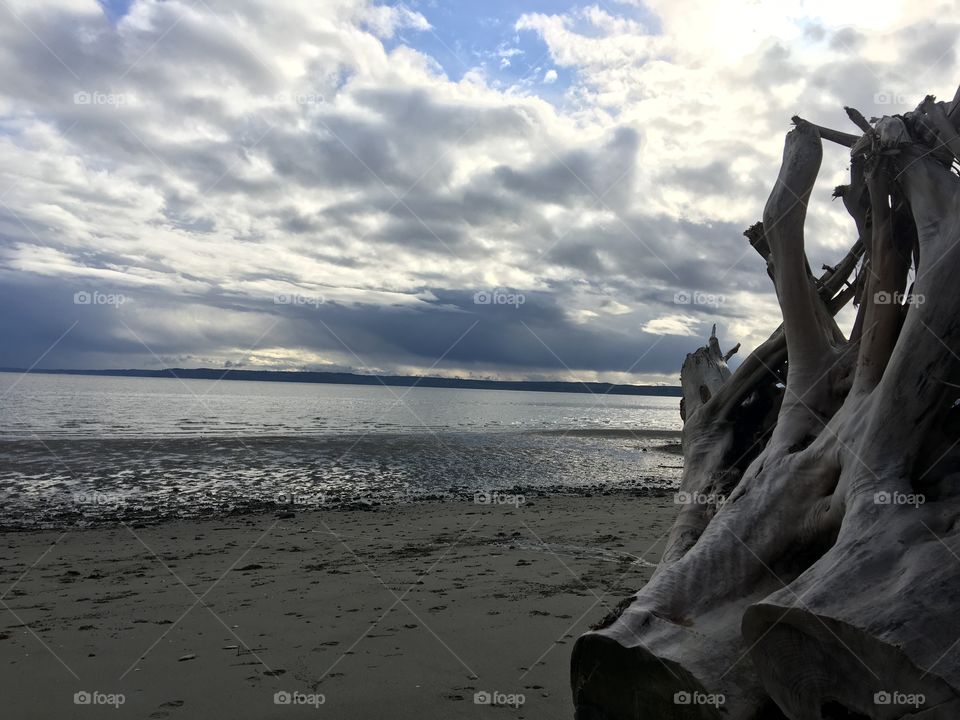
point(638, 434)
point(362, 380)
point(64, 483)
point(403, 611)
point(516, 497)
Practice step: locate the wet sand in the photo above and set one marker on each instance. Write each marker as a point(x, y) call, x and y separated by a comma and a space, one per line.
point(405, 611)
point(49, 483)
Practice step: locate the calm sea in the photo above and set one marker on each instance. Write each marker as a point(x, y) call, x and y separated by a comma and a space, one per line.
point(82, 449)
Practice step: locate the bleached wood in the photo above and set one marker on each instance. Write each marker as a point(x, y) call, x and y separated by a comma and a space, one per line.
point(790, 586)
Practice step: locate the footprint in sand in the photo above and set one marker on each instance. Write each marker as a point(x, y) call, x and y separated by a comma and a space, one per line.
point(172, 704)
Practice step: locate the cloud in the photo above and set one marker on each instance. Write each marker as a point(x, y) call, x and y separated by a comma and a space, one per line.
point(202, 159)
point(671, 325)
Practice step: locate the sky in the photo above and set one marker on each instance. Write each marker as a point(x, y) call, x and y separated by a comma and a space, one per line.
point(534, 189)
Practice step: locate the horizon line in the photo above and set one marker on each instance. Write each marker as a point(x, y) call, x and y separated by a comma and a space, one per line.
point(352, 378)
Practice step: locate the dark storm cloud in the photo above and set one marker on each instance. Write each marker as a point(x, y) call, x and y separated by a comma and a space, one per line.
point(564, 176)
point(658, 249)
point(413, 233)
point(535, 337)
point(38, 311)
point(344, 151)
point(580, 255)
point(408, 111)
point(714, 178)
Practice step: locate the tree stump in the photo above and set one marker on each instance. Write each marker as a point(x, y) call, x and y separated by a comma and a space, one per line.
point(813, 570)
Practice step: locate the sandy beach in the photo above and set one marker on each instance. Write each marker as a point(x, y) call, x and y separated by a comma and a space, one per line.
point(425, 610)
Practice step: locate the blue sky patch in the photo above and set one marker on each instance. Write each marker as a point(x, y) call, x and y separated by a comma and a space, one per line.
point(115, 9)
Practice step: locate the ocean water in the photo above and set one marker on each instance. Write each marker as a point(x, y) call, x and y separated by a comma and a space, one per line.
point(82, 449)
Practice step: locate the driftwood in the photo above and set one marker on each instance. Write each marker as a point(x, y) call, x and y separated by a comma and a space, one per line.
point(813, 570)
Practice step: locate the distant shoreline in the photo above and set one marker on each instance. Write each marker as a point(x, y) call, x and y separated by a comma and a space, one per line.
point(598, 388)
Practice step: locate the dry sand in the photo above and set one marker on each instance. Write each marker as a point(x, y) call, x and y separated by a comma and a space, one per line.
point(402, 612)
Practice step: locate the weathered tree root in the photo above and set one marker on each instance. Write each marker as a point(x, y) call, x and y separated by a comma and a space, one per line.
point(863, 624)
point(813, 570)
